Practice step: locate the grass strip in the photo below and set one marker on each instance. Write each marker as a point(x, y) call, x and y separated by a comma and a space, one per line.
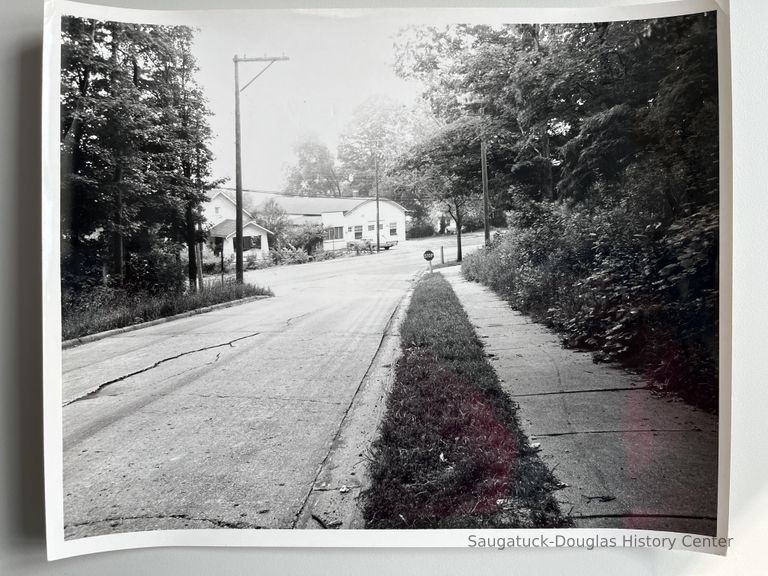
point(108, 310)
point(451, 453)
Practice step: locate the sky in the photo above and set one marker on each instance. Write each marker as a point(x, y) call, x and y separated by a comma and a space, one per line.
point(337, 61)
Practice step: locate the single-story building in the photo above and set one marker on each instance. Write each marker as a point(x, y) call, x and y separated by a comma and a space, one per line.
point(220, 212)
point(255, 242)
point(345, 220)
point(359, 223)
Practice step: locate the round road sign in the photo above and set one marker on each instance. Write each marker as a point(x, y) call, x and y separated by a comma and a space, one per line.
point(428, 255)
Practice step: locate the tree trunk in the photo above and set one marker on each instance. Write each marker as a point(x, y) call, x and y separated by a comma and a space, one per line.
point(549, 188)
point(192, 253)
point(199, 254)
point(458, 233)
point(118, 244)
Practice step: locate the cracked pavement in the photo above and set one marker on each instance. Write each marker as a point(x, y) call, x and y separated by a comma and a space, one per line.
point(627, 458)
point(224, 419)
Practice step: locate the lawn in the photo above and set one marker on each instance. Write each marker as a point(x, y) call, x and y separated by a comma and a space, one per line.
point(105, 309)
point(450, 453)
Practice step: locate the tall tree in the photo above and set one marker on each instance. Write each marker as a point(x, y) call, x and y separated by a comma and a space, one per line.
point(380, 131)
point(573, 107)
point(447, 166)
point(135, 155)
point(275, 219)
point(314, 173)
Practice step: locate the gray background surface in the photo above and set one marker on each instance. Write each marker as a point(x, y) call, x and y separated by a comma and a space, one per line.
point(22, 545)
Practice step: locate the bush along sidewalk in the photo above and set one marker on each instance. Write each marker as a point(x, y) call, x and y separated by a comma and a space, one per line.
point(102, 308)
point(451, 453)
point(630, 291)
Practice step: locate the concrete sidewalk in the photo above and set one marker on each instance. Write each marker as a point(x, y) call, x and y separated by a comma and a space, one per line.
point(629, 459)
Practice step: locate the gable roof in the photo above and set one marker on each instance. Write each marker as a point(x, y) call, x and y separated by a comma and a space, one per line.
point(223, 193)
point(366, 200)
point(315, 206)
point(302, 205)
point(226, 228)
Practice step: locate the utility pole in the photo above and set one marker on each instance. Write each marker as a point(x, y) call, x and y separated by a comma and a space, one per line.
point(238, 162)
point(376, 168)
point(484, 167)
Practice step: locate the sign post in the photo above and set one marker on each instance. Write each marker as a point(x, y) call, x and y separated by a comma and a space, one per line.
point(428, 255)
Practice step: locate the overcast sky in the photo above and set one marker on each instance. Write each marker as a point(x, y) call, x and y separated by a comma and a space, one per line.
point(337, 61)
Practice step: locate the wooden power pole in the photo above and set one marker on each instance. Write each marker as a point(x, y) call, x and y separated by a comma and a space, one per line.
point(486, 207)
point(378, 233)
point(238, 161)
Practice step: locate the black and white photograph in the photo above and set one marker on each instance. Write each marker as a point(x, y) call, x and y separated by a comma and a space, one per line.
point(349, 270)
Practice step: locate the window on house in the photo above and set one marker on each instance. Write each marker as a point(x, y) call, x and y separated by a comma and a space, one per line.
point(247, 242)
point(393, 228)
point(218, 245)
point(349, 229)
point(371, 227)
point(358, 232)
point(381, 226)
point(216, 210)
point(256, 242)
point(335, 233)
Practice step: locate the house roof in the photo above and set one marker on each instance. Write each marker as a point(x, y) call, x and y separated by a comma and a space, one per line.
point(229, 196)
point(315, 206)
point(302, 205)
point(366, 200)
point(226, 228)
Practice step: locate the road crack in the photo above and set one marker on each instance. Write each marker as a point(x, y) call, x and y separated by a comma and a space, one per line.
point(294, 318)
point(103, 385)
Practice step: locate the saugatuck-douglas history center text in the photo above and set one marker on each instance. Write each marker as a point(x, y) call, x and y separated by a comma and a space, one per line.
point(596, 541)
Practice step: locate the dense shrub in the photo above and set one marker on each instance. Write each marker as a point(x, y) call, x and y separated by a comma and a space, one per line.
point(327, 255)
point(307, 237)
point(631, 289)
point(289, 256)
point(253, 262)
point(472, 222)
point(155, 271)
point(420, 229)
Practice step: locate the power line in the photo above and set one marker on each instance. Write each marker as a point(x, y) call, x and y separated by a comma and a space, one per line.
point(270, 60)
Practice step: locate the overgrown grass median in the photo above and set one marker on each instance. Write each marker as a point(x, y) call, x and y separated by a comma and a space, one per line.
point(451, 453)
point(102, 309)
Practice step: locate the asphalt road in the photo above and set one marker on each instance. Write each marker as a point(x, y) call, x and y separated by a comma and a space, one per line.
point(223, 419)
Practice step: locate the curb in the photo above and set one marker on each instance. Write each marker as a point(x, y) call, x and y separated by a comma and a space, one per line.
point(66, 344)
point(333, 500)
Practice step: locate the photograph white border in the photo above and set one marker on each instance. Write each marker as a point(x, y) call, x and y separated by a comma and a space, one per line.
point(58, 547)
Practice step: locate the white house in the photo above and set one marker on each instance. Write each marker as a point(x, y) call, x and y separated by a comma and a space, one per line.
point(343, 219)
point(347, 219)
point(359, 223)
point(220, 212)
